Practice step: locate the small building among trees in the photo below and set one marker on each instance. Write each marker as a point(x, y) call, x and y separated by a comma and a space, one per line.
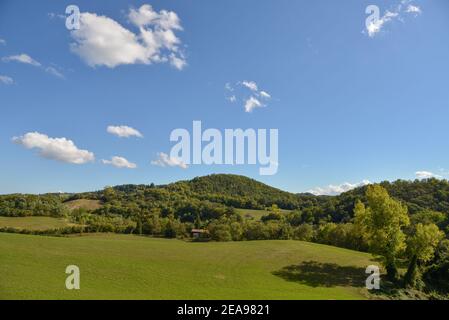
point(199, 233)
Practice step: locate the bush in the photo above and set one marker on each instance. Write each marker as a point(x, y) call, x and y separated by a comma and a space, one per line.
point(220, 231)
point(304, 232)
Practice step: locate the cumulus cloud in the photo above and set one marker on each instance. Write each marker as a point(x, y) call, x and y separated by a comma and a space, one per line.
point(6, 80)
point(124, 131)
point(22, 58)
point(164, 160)
point(101, 41)
point(426, 175)
point(374, 26)
point(60, 149)
point(337, 189)
point(249, 93)
point(120, 162)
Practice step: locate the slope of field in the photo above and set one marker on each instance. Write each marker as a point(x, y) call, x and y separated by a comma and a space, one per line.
point(83, 204)
point(33, 223)
point(131, 267)
point(256, 214)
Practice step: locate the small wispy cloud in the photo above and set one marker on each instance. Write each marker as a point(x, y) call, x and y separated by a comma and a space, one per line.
point(251, 104)
point(332, 190)
point(251, 85)
point(27, 59)
point(229, 87)
point(124, 131)
point(426, 175)
point(53, 15)
point(375, 26)
point(164, 160)
point(55, 72)
point(22, 58)
point(232, 98)
point(120, 162)
point(265, 95)
point(248, 92)
point(2, 42)
point(6, 80)
point(413, 9)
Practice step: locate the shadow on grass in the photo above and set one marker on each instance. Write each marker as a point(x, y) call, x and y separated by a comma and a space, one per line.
point(316, 274)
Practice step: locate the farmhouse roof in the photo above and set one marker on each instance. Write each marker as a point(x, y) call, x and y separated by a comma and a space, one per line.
point(199, 231)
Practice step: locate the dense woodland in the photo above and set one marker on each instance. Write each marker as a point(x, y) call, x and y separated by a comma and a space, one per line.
point(403, 222)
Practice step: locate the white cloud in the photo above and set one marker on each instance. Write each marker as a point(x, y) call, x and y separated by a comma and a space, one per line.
point(178, 62)
point(229, 87)
point(120, 162)
point(22, 58)
point(146, 16)
point(337, 189)
point(232, 98)
point(60, 149)
point(2, 41)
point(250, 85)
point(165, 160)
point(413, 9)
point(6, 80)
point(53, 15)
point(249, 93)
point(265, 95)
point(53, 71)
point(124, 131)
point(375, 26)
point(426, 175)
point(251, 104)
point(101, 41)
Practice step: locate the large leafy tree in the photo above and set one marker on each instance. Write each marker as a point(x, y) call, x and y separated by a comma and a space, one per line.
point(380, 224)
point(420, 249)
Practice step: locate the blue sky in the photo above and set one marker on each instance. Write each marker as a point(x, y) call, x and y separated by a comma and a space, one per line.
point(350, 105)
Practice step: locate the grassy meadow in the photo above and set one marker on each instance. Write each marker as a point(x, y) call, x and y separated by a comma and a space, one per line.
point(256, 214)
point(83, 204)
point(33, 223)
point(132, 267)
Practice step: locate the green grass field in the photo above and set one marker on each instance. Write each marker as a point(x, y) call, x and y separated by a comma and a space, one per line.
point(256, 214)
point(132, 267)
point(84, 204)
point(33, 223)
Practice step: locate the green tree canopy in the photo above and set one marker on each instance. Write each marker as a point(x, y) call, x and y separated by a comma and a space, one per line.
point(381, 224)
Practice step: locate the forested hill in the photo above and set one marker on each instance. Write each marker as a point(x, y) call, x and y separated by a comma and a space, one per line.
point(206, 194)
point(418, 195)
point(241, 192)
